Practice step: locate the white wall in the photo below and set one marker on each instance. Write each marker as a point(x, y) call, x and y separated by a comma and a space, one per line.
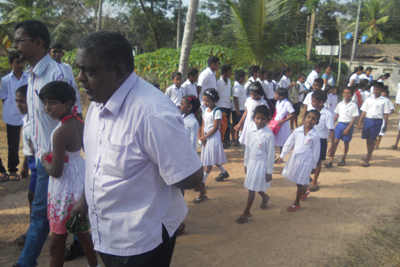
point(379, 69)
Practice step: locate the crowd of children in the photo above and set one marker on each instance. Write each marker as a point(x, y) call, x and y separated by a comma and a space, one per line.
point(260, 113)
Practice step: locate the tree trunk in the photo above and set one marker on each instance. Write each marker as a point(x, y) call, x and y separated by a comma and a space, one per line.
point(99, 16)
point(188, 36)
point(340, 51)
point(150, 22)
point(178, 30)
point(311, 35)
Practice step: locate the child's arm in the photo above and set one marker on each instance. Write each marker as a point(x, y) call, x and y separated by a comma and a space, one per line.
point(335, 117)
point(291, 115)
point(386, 117)
point(236, 102)
point(360, 120)
point(246, 153)
point(25, 169)
point(270, 156)
point(286, 147)
point(213, 131)
point(332, 137)
point(60, 141)
point(240, 124)
point(304, 114)
point(316, 152)
point(346, 131)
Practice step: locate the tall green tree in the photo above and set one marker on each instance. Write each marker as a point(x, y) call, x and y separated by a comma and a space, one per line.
point(254, 29)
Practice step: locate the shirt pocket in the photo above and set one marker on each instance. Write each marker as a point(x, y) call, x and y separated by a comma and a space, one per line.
point(121, 161)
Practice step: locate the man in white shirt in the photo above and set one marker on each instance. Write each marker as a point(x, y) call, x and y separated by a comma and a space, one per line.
point(312, 76)
point(285, 80)
point(375, 110)
point(224, 89)
point(239, 98)
point(31, 42)
point(189, 87)
point(207, 78)
point(11, 115)
point(253, 75)
point(175, 92)
point(138, 156)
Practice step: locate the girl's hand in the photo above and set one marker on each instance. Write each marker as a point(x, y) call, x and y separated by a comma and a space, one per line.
point(280, 122)
point(81, 209)
point(384, 129)
point(268, 177)
point(202, 139)
point(279, 161)
point(24, 173)
point(42, 159)
point(237, 127)
point(245, 170)
point(238, 113)
point(359, 127)
point(204, 143)
point(313, 171)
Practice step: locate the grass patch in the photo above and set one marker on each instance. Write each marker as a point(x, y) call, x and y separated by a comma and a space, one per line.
point(379, 247)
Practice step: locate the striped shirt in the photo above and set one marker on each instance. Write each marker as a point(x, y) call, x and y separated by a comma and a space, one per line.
point(42, 125)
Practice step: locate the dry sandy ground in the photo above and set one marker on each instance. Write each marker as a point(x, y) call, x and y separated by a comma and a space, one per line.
point(351, 199)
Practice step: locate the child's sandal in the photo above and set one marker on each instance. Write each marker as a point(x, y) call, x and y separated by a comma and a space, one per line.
point(242, 220)
point(328, 164)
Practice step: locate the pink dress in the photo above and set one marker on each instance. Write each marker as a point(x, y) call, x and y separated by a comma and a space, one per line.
point(64, 192)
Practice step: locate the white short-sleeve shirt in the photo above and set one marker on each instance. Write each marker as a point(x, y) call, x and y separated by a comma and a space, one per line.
point(354, 77)
point(325, 123)
point(365, 77)
point(209, 117)
point(239, 92)
point(189, 88)
point(10, 84)
point(347, 111)
point(224, 90)
point(206, 80)
point(192, 127)
point(247, 84)
point(26, 129)
point(310, 79)
point(301, 89)
point(308, 101)
point(375, 108)
point(175, 94)
point(269, 89)
point(136, 149)
point(283, 108)
point(284, 82)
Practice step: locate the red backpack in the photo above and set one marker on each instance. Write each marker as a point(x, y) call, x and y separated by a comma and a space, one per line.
point(359, 99)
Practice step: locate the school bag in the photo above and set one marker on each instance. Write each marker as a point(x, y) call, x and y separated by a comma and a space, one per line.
point(294, 93)
point(274, 126)
point(359, 99)
point(223, 124)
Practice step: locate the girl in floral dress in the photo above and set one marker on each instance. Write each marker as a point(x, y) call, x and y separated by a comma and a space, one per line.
point(66, 168)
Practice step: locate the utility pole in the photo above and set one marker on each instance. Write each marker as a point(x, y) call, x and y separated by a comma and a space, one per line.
point(340, 50)
point(353, 51)
point(178, 32)
point(310, 35)
point(99, 16)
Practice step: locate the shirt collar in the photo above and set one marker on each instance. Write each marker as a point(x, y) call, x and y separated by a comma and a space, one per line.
point(115, 102)
point(40, 67)
point(24, 75)
point(210, 70)
point(284, 77)
point(323, 110)
point(251, 79)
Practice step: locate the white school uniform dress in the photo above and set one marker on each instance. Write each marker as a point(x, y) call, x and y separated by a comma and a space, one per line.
point(189, 88)
point(224, 91)
point(305, 155)
point(247, 84)
point(347, 111)
point(213, 153)
point(283, 108)
point(310, 79)
point(259, 158)
point(354, 77)
point(10, 84)
point(365, 77)
point(269, 89)
point(239, 92)
point(250, 105)
point(175, 94)
point(308, 101)
point(192, 127)
point(333, 103)
point(397, 101)
point(206, 80)
point(391, 106)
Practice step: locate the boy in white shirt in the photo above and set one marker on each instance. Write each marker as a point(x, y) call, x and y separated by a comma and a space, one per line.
point(270, 90)
point(253, 75)
point(296, 97)
point(318, 83)
point(285, 80)
point(375, 110)
point(11, 116)
point(262, 75)
point(56, 52)
point(224, 89)
point(385, 93)
point(175, 92)
point(27, 150)
point(189, 87)
point(325, 128)
point(239, 98)
point(207, 78)
point(346, 113)
point(313, 75)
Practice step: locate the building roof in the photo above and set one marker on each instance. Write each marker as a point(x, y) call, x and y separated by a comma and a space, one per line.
point(373, 52)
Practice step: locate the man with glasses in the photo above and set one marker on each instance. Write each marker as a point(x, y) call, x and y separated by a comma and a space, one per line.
point(31, 42)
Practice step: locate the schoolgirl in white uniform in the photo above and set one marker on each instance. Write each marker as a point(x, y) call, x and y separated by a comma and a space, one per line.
point(256, 99)
point(189, 107)
point(212, 151)
point(354, 78)
point(304, 158)
point(284, 112)
point(258, 161)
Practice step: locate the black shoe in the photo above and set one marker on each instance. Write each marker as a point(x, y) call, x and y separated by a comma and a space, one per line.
point(222, 176)
point(15, 265)
point(73, 251)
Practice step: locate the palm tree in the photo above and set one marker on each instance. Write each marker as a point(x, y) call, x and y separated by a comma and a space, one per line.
point(255, 29)
point(188, 34)
point(373, 15)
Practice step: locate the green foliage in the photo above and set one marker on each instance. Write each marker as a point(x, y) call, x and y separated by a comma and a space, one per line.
point(5, 67)
point(156, 67)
